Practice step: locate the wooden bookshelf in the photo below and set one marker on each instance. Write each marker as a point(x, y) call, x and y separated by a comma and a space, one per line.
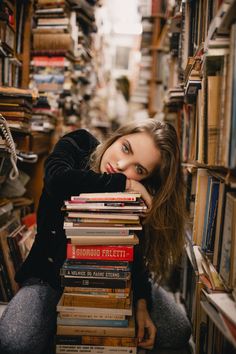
point(35, 121)
point(197, 41)
point(200, 104)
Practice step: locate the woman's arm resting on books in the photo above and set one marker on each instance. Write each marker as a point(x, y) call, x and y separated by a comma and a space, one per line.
point(63, 178)
point(146, 328)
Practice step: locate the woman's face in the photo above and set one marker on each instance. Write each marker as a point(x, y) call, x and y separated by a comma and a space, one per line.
point(134, 155)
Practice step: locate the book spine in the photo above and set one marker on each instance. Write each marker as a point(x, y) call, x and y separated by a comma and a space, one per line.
point(114, 253)
point(103, 199)
point(74, 266)
point(92, 322)
point(98, 224)
point(85, 215)
point(92, 316)
point(84, 349)
point(78, 220)
point(95, 331)
point(95, 232)
point(95, 310)
point(92, 294)
point(98, 340)
point(99, 283)
point(81, 203)
point(111, 274)
point(101, 291)
point(97, 263)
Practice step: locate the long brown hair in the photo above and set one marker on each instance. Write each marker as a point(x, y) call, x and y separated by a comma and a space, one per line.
point(164, 224)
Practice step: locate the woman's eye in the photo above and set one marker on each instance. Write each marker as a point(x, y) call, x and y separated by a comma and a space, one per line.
point(125, 148)
point(139, 170)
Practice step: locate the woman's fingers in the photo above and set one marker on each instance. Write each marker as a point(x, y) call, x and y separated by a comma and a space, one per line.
point(138, 187)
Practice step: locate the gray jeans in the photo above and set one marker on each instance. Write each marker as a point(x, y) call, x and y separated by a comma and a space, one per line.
point(28, 324)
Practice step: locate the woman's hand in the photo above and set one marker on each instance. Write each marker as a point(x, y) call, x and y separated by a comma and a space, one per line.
point(146, 328)
point(136, 186)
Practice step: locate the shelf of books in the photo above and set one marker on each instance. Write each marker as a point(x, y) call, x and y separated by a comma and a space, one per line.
point(62, 64)
point(46, 75)
point(17, 219)
point(200, 103)
point(154, 48)
point(95, 312)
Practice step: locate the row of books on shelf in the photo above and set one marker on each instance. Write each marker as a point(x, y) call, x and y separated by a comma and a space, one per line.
point(209, 119)
point(17, 233)
point(24, 111)
point(10, 34)
point(197, 88)
point(95, 312)
point(209, 281)
point(209, 304)
point(61, 55)
point(212, 201)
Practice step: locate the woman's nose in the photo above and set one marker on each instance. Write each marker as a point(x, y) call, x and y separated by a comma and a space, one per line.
point(121, 165)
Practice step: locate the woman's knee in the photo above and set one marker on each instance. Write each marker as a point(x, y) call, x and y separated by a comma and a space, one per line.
point(173, 326)
point(29, 320)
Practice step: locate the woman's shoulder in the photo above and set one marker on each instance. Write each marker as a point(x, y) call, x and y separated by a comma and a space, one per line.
point(80, 138)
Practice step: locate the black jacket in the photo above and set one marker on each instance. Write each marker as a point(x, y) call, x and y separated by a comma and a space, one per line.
point(67, 173)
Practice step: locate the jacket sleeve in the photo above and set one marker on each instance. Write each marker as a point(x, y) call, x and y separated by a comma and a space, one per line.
point(66, 173)
point(141, 279)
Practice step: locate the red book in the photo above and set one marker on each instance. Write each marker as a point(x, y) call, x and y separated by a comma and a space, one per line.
point(111, 253)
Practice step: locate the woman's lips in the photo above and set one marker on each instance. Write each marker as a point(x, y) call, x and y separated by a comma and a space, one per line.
point(110, 169)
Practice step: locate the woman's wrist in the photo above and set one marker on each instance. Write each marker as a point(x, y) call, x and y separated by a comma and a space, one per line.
point(141, 304)
point(128, 184)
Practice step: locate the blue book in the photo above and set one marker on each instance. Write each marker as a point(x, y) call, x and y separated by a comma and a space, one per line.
point(92, 323)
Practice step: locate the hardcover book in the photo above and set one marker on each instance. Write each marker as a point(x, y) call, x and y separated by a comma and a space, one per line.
point(106, 216)
point(91, 322)
point(96, 273)
point(98, 331)
point(95, 301)
point(91, 349)
point(94, 282)
point(117, 196)
point(98, 340)
point(68, 306)
point(104, 240)
point(124, 253)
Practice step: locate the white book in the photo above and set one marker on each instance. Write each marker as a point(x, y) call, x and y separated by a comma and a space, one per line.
point(104, 240)
point(74, 214)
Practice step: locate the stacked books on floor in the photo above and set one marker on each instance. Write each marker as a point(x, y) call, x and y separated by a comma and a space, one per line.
point(95, 313)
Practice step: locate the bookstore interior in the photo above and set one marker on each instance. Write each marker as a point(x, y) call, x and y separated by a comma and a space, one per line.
point(97, 64)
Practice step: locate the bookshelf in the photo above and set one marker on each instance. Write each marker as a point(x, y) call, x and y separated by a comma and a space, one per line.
point(16, 102)
point(199, 101)
point(154, 47)
point(46, 84)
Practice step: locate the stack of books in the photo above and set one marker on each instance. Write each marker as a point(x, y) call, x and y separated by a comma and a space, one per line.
point(95, 311)
point(44, 116)
point(53, 30)
point(16, 107)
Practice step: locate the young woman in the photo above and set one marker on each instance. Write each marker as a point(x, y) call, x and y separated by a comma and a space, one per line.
point(143, 157)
